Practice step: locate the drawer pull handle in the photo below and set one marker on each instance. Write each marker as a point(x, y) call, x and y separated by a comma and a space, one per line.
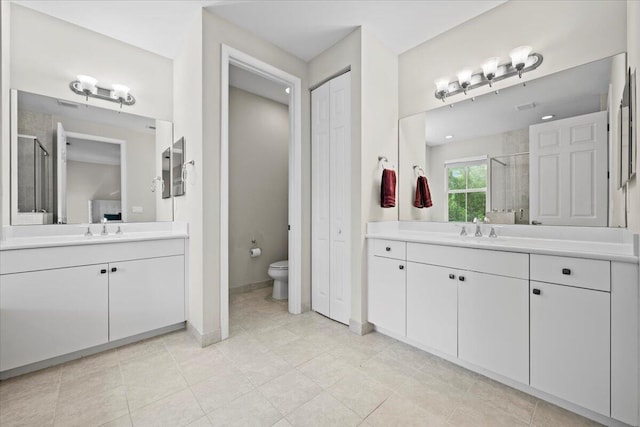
point(536, 292)
point(461, 278)
point(401, 267)
point(566, 271)
point(452, 276)
point(114, 269)
point(103, 271)
point(388, 249)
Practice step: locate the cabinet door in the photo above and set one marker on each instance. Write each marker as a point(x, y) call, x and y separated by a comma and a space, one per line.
point(387, 295)
point(570, 344)
point(432, 307)
point(493, 319)
point(44, 314)
point(145, 295)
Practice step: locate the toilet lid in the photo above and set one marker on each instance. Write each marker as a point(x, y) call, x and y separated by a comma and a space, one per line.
point(280, 265)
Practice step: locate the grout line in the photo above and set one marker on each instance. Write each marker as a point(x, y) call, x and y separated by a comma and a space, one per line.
point(533, 414)
point(124, 384)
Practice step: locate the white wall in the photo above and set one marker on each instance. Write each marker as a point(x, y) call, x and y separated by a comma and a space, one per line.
point(374, 132)
point(566, 32)
point(413, 151)
point(5, 87)
point(258, 178)
point(47, 53)
point(89, 181)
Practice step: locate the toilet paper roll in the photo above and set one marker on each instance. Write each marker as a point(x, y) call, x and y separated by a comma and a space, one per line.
point(255, 252)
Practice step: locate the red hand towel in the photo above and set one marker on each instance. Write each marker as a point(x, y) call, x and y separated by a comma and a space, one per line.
point(423, 195)
point(388, 189)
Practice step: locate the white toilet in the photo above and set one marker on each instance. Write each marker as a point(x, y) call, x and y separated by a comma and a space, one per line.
point(279, 272)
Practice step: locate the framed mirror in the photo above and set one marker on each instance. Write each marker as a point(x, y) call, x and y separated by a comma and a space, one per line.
point(533, 153)
point(75, 163)
point(178, 159)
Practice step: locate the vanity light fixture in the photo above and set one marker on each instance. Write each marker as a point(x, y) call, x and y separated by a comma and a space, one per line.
point(448, 137)
point(523, 59)
point(549, 117)
point(87, 86)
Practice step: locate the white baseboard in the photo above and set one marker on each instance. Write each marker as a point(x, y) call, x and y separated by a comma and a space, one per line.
point(360, 328)
point(205, 339)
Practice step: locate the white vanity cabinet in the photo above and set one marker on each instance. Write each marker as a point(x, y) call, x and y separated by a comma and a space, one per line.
point(44, 314)
point(387, 294)
point(432, 306)
point(493, 323)
point(55, 301)
point(570, 336)
point(145, 295)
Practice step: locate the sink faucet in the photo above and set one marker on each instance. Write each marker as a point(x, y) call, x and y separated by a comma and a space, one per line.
point(478, 229)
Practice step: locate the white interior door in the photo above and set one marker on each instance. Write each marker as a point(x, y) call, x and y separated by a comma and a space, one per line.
point(61, 167)
point(568, 164)
point(320, 207)
point(340, 223)
point(331, 222)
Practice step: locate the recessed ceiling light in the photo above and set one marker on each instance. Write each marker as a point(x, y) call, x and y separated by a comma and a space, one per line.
point(287, 90)
point(550, 116)
point(448, 137)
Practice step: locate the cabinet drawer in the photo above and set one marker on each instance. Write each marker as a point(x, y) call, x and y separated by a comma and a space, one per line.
point(508, 264)
point(390, 249)
point(582, 273)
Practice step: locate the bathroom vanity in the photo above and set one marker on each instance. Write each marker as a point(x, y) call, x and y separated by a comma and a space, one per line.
point(552, 311)
point(64, 294)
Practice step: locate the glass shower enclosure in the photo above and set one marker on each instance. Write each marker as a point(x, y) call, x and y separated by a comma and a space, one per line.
point(33, 175)
point(509, 189)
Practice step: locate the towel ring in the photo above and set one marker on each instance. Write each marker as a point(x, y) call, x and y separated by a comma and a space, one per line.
point(384, 161)
point(418, 169)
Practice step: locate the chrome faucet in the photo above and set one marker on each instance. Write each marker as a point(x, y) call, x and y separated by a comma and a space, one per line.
point(88, 233)
point(493, 234)
point(478, 229)
point(119, 232)
point(463, 230)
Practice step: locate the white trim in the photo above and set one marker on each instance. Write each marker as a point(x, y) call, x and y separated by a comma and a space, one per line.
point(466, 160)
point(231, 56)
point(14, 156)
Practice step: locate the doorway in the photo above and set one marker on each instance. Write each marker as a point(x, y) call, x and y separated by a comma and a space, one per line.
point(232, 57)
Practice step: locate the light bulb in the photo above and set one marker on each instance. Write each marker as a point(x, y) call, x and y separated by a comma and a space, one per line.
point(442, 84)
point(519, 56)
point(490, 67)
point(120, 91)
point(464, 78)
point(87, 83)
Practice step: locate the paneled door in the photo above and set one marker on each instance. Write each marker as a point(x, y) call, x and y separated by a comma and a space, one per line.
point(568, 168)
point(330, 198)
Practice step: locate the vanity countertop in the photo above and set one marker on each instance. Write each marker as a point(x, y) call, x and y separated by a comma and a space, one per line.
point(73, 235)
point(625, 250)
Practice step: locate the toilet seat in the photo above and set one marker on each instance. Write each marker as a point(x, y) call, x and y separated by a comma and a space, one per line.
point(280, 265)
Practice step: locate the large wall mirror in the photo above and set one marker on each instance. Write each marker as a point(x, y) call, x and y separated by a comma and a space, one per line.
point(75, 163)
point(533, 153)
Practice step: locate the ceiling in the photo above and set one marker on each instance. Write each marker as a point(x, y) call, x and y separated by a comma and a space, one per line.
point(303, 28)
point(258, 85)
point(568, 93)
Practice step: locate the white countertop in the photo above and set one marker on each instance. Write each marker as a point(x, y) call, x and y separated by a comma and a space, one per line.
point(624, 251)
point(73, 235)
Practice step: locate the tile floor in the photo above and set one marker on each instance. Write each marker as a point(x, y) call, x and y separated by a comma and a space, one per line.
point(276, 369)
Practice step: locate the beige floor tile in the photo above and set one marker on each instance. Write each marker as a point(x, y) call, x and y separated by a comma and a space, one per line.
point(455, 376)
point(94, 383)
point(251, 409)
point(201, 422)
point(324, 410)
point(263, 367)
point(282, 423)
point(93, 409)
point(123, 421)
point(548, 415)
point(30, 384)
point(178, 409)
point(33, 407)
point(208, 363)
point(405, 355)
point(182, 345)
point(389, 374)
point(325, 370)
point(350, 355)
point(89, 365)
point(290, 391)
point(507, 399)
point(142, 348)
point(275, 337)
point(222, 389)
point(397, 411)
point(241, 348)
point(476, 413)
point(360, 393)
point(300, 351)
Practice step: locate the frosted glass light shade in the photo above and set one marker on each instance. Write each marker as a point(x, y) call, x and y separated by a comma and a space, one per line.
point(519, 56)
point(442, 84)
point(120, 91)
point(87, 83)
point(464, 77)
point(490, 67)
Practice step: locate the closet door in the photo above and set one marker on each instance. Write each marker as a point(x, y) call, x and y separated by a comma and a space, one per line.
point(340, 223)
point(330, 198)
point(320, 207)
